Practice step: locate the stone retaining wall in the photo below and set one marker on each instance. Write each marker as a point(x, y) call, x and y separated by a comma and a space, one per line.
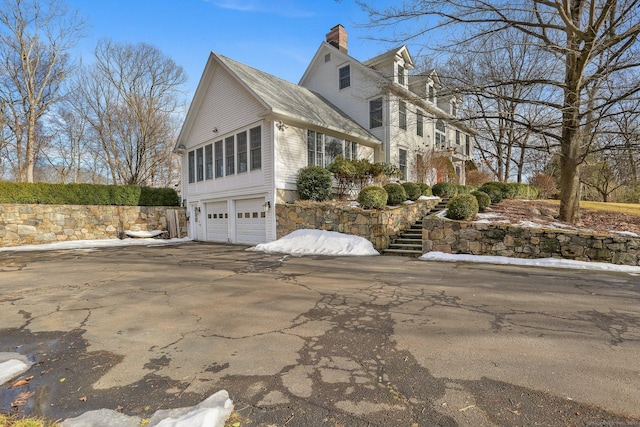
point(36, 224)
point(461, 237)
point(377, 226)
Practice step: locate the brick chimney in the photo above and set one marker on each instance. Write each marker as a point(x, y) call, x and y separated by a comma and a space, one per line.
point(337, 37)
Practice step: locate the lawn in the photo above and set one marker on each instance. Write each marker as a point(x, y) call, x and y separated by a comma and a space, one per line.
point(626, 208)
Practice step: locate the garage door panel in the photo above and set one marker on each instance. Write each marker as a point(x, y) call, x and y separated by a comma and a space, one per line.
point(217, 222)
point(251, 221)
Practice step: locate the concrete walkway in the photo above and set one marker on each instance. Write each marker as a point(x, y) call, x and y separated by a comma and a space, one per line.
point(319, 340)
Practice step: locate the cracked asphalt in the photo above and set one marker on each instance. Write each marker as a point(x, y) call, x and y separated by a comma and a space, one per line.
point(314, 341)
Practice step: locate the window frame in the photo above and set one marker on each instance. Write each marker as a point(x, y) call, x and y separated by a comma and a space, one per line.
point(402, 115)
point(191, 161)
point(200, 164)
point(419, 123)
point(344, 80)
point(242, 151)
point(402, 163)
point(255, 148)
point(218, 158)
point(229, 155)
point(208, 162)
point(401, 74)
point(375, 113)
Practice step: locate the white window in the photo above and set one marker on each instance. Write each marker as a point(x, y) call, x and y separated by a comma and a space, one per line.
point(402, 115)
point(255, 149)
point(344, 77)
point(208, 161)
point(323, 149)
point(200, 164)
point(441, 141)
point(419, 123)
point(375, 113)
point(402, 163)
point(401, 74)
point(432, 94)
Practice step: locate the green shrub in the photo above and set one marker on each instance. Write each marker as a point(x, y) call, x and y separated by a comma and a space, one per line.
point(86, 194)
point(493, 190)
point(464, 206)
point(444, 189)
point(412, 190)
point(396, 194)
point(425, 189)
point(483, 200)
point(314, 183)
point(464, 189)
point(344, 171)
point(372, 197)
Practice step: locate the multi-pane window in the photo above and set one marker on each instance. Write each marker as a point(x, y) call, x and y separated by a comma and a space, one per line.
point(241, 142)
point(344, 77)
point(208, 161)
point(454, 109)
point(401, 74)
point(468, 145)
point(458, 141)
point(219, 158)
point(432, 94)
point(200, 164)
point(192, 166)
point(402, 115)
point(441, 142)
point(419, 123)
point(230, 155)
point(375, 113)
point(255, 148)
point(402, 163)
point(322, 149)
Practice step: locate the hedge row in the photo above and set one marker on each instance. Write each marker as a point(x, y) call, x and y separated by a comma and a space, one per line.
point(86, 194)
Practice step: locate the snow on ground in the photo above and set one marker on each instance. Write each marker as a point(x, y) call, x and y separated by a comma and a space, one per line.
point(318, 242)
point(90, 244)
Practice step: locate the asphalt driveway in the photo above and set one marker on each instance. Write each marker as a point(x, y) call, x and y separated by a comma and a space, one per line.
point(349, 341)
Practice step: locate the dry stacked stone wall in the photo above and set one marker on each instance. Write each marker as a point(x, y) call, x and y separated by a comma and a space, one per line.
point(377, 226)
point(36, 224)
point(461, 237)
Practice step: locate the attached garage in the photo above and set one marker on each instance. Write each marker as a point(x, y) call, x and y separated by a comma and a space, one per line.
point(251, 222)
point(217, 222)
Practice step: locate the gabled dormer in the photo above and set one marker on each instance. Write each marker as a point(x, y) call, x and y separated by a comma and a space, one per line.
point(394, 65)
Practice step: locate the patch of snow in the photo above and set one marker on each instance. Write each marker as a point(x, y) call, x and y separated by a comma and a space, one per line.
point(90, 244)
point(408, 202)
point(489, 215)
point(211, 412)
point(12, 365)
point(538, 262)
point(144, 233)
point(318, 242)
point(442, 214)
point(354, 204)
point(624, 233)
point(428, 198)
point(560, 225)
point(529, 224)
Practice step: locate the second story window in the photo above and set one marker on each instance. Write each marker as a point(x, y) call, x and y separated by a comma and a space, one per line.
point(401, 74)
point(468, 145)
point(454, 109)
point(375, 113)
point(402, 115)
point(441, 141)
point(344, 75)
point(419, 123)
point(432, 94)
point(458, 141)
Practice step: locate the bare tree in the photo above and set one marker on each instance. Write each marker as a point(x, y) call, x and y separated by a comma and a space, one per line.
point(35, 38)
point(130, 97)
point(591, 40)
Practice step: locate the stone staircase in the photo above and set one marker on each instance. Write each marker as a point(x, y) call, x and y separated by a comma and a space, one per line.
point(409, 242)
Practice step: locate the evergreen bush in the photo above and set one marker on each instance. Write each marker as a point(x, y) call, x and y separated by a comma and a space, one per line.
point(462, 207)
point(493, 191)
point(412, 190)
point(425, 189)
point(484, 201)
point(444, 189)
point(314, 183)
point(396, 194)
point(372, 197)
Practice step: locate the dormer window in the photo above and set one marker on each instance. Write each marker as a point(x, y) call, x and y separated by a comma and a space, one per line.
point(401, 72)
point(454, 109)
point(432, 94)
point(344, 77)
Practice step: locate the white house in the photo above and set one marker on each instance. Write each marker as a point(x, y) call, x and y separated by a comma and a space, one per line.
point(247, 133)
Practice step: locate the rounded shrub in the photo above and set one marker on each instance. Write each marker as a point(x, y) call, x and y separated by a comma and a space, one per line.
point(444, 189)
point(493, 191)
point(412, 190)
point(425, 189)
point(464, 206)
point(314, 183)
point(372, 197)
point(483, 200)
point(396, 194)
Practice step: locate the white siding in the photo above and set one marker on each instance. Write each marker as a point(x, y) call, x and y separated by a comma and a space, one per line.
point(291, 156)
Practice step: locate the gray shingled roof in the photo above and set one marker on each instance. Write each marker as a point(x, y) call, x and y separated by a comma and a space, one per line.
point(295, 101)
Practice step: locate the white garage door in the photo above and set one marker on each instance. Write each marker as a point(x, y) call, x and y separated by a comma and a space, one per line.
point(251, 221)
point(217, 222)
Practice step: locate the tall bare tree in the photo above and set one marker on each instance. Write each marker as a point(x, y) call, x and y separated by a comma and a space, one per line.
point(591, 40)
point(35, 39)
point(130, 97)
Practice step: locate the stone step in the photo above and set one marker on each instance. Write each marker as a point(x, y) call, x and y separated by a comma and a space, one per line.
point(408, 240)
point(417, 246)
point(402, 252)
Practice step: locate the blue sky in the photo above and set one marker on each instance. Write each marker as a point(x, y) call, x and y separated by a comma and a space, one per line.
point(276, 36)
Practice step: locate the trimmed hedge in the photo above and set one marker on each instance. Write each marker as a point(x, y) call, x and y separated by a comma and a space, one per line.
point(86, 194)
point(314, 183)
point(483, 200)
point(464, 206)
point(413, 190)
point(444, 189)
point(373, 197)
point(397, 194)
point(510, 190)
point(425, 189)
